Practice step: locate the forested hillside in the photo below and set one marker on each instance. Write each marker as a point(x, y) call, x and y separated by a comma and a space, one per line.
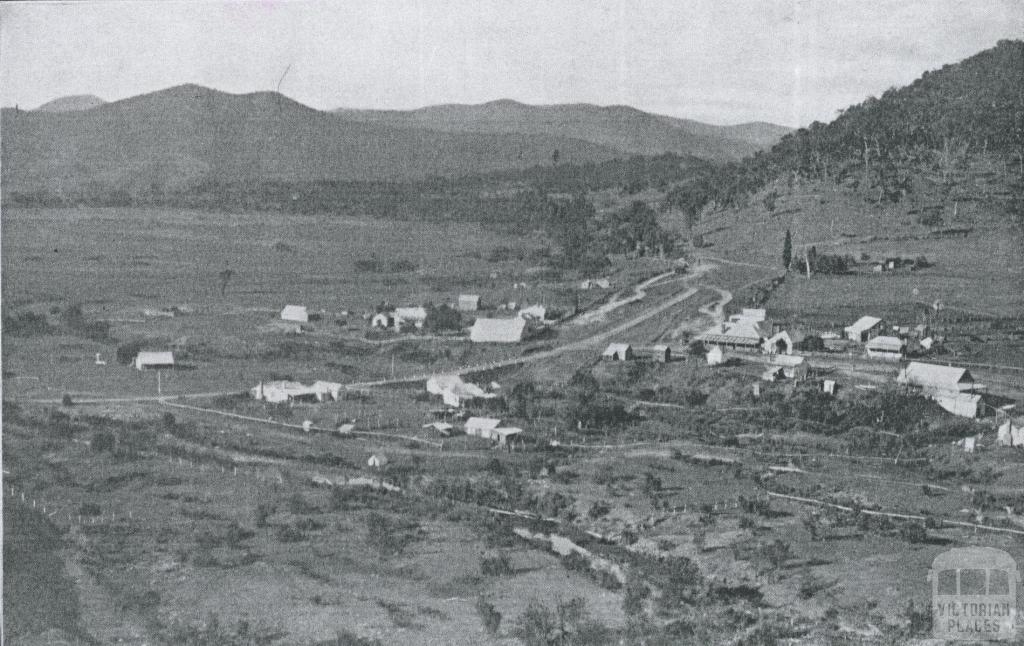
point(974, 107)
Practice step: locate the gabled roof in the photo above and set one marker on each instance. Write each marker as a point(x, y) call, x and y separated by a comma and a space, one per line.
point(616, 349)
point(411, 313)
point(931, 376)
point(863, 324)
point(497, 330)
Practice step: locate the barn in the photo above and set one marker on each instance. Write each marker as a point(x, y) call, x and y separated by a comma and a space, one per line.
point(864, 329)
point(497, 330)
point(155, 360)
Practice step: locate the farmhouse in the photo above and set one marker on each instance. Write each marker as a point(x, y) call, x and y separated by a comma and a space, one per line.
point(156, 360)
point(295, 313)
point(738, 335)
point(618, 352)
point(468, 302)
point(865, 329)
point(497, 330)
point(886, 347)
point(931, 378)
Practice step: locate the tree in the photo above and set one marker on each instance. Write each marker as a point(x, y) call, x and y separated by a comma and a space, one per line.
point(225, 277)
point(488, 615)
point(787, 250)
point(554, 157)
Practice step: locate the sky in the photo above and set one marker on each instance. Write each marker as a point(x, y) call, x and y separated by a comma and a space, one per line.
point(720, 61)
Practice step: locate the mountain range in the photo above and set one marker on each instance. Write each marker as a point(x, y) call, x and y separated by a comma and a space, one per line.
point(187, 134)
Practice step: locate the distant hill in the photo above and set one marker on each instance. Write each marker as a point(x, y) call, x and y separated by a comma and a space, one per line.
point(72, 103)
point(187, 134)
point(620, 127)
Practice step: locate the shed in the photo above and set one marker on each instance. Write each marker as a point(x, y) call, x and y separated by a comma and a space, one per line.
point(377, 461)
point(382, 320)
point(502, 433)
point(886, 347)
point(864, 329)
point(295, 313)
point(158, 360)
point(444, 428)
point(715, 356)
point(325, 389)
point(961, 404)
point(277, 392)
point(618, 352)
point(497, 330)
point(468, 302)
point(793, 367)
point(932, 378)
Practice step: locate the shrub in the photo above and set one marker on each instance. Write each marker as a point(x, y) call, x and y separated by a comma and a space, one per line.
point(89, 509)
point(388, 536)
point(490, 617)
point(102, 441)
point(633, 599)
point(127, 351)
point(290, 534)
point(497, 565)
point(264, 510)
point(913, 532)
point(26, 324)
point(599, 509)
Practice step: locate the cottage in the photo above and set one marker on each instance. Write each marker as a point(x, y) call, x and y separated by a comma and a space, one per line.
point(738, 335)
point(793, 367)
point(481, 426)
point(865, 329)
point(157, 360)
point(503, 433)
point(596, 283)
point(295, 313)
point(497, 330)
point(444, 428)
point(468, 302)
point(715, 356)
point(886, 347)
point(618, 352)
point(931, 378)
point(377, 461)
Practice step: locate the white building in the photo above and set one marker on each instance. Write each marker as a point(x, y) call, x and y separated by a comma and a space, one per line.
point(618, 352)
point(415, 316)
point(468, 302)
point(715, 356)
point(533, 313)
point(157, 360)
point(295, 313)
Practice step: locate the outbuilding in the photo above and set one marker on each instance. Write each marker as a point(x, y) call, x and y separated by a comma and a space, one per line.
point(377, 461)
point(154, 360)
point(931, 378)
point(618, 352)
point(660, 353)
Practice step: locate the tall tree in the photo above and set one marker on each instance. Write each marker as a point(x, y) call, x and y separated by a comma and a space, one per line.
point(787, 250)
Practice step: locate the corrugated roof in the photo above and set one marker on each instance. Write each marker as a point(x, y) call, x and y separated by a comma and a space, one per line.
point(485, 423)
point(615, 349)
point(154, 358)
point(733, 333)
point(929, 375)
point(497, 330)
point(296, 313)
point(886, 344)
point(863, 324)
